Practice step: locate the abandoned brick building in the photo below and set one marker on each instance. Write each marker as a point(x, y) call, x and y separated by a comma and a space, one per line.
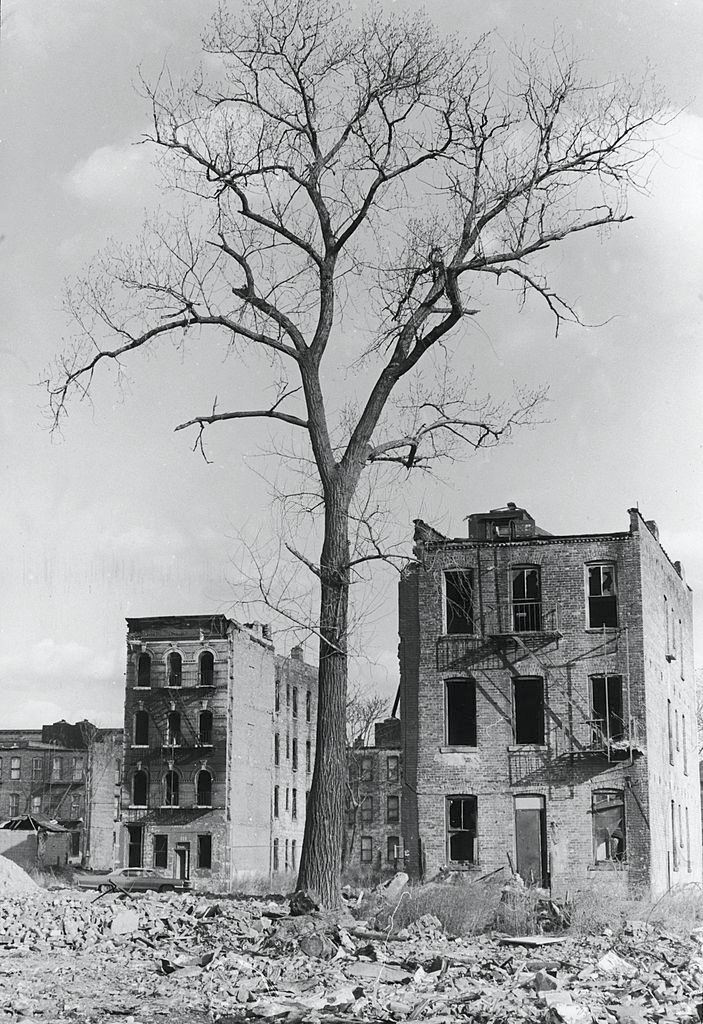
point(548, 706)
point(210, 749)
point(374, 831)
point(69, 774)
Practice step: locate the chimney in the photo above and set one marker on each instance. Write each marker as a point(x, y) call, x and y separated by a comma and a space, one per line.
point(512, 505)
point(267, 631)
point(653, 528)
point(254, 627)
point(296, 653)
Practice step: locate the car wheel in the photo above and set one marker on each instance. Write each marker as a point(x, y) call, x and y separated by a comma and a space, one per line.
point(166, 888)
point(104, 887)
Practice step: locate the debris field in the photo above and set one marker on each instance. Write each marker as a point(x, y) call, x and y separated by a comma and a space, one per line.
point(67, 955)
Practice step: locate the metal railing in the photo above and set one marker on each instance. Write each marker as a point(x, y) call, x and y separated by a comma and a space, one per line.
point(160, 678)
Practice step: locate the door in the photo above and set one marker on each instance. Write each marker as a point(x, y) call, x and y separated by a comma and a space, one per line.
point(183, 860)
point(531, 839)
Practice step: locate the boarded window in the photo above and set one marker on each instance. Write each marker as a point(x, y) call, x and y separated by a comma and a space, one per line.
point(392, 849)
point(528, 702)
point(461, 712)
point(608, 812)
point(204, 789)
point(602, 597)
point(171, 788)
point(366, 807)
point(392, 810)
point(461, 829)
point(205, 728)
point(606, 708)
point(174, 669)
point(205, 851)
point(141, 729)
point(140, 788)
point(160, 851)
point(527, 600)
point(459, 601)
point(207, 668)
point(144, 670)
point(366, 851)
point(393, 768)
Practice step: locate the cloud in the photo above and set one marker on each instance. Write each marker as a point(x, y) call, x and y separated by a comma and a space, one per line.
point(112, 174)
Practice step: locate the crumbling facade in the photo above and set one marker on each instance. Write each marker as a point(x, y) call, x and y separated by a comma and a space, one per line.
point(374, 836)
point(203, 757)
point(548, 706)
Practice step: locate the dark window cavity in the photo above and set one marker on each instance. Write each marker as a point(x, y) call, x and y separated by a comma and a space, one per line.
point(308, 756)
point(527, 600)
point(139, 789)
point(308, 706)
point(295, 702)
point(367, 769)
point(144, 670)
point(602, 597)
point(366, 849)
point(392, 768)
point(366, 807)
point(204, 789)
point(174, 669)
point(461, 712)
point(275, 801)
point(459, 600)
point(207, 668)
point(171, 786)
point(528, 702)
point(160, 851)
point(608, 813)
point(294, 805)
point(276, 749)
point(205, 728)
point(135, 841)
point(393, 810)
point(461, 829)
point(275, 855)
point(141, 729)
point(205, 851)
point(606, 709)
point(173, 729)
point(294, 759)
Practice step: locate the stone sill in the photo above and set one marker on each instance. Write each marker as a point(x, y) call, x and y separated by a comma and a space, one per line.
point(459, 750)
point(618, 867)
point(608, 630)
point(536, 748)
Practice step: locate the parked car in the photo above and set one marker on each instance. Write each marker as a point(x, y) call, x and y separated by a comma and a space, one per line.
point(131, 879)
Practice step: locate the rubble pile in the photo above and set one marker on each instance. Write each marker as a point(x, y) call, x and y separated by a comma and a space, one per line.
point(69, 956)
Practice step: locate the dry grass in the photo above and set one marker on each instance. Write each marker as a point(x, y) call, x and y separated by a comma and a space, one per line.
point(462, 907)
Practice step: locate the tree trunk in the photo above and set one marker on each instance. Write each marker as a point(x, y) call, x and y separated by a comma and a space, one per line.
point(321, 859)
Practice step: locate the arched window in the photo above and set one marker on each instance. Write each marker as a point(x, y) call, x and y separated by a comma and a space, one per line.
point(205, 727)
point(141, 729)
point(144, 670)
point(207, 668)
point(139, 789)
point(173, 729)
point(203, 785)
point(175, 669)
point(171, 782)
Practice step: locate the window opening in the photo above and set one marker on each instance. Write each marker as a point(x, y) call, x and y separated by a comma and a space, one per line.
point(277, 695)
point(671, 731)
point(77, 773)
point(207, 668)
point(608, 814)
point(367, 769)
point(141, 729)
point(366, 807)
point(293, 853)
point(205, 728)
point(204, 789)
point(205, 851)
point(275, 801)
point(36, 805)
point(144, 670)
point(294, 759)
point(674, 844)
point(602, 597)
point(531, 839)
point(175, 669)
point(528, 702)
point(606, 709)
point(684, 746)
point(14, 804)
point(295, 702)
point(461, 712)
point(366, 852)
point(393, 810)
point(276, 749)
point(459, 601)
point(308, 756)
point(308, 706)
point(527, 600)
point(135, 835)
point(392, 768)
point(171, 786)
point(57, 768)
point(140, 788)
point(173, 729)
point(294, 805)
point(275, 855)
point(461, 829)
point(36, 769)
point(15, 768)
point(160, 851)
point(393, 849)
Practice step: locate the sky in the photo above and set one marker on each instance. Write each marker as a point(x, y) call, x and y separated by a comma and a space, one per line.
point(118, 517)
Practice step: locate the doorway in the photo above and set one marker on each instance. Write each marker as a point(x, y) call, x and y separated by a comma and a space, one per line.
point(183, 860)
point(531, 839)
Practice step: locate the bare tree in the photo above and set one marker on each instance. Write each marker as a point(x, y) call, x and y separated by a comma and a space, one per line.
point(351, 186)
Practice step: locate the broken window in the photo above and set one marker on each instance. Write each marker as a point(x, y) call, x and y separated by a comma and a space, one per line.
point(174, 669)
point(527, 600)
point(392, 810)
point(608, 813)
point(308, 756)
point(139, 789)
point(461, 712)
point(294, 759)
point(294, 805)
point(14, 804)
point(602, 597)
point(308, 706)
point(203, 788)
point(367, 769)
point(77, 769)
point(36, 768)
point(160, 851)
point(275, 855)
point(276, 748)
point(392, 849)
point(205, 728)
point(366, 806)
point(135, 834)
point(606, 709)
point(366, 850)
point(459, 600)
point(295, 702)
point(173, 729)
point(171, 787)
point(141, 729)
point(461, 829)
point(528, 704)
point(36, 805)
point(144, 670)
point(205, 850)
point(275, 801)
point(207, 668)
point(392, 768)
